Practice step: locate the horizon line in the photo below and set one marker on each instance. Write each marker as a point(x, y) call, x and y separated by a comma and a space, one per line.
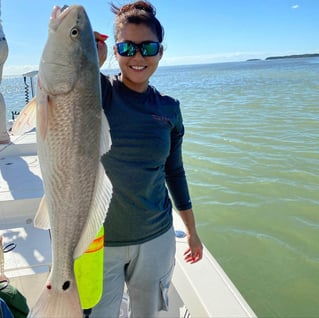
point(20, 70)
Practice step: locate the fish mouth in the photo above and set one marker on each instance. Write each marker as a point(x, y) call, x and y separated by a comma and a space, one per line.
point(57, 11)
point(58, 14)
point(64, 7)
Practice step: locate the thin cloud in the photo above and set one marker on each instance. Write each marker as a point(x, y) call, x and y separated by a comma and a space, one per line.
point(295, 6)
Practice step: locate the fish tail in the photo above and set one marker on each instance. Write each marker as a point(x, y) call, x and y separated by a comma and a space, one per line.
point(58, 303)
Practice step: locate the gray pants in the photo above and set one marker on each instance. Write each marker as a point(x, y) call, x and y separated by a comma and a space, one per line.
point(147, 270)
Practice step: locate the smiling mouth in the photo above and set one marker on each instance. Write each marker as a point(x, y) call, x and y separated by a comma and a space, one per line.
point(138, 68)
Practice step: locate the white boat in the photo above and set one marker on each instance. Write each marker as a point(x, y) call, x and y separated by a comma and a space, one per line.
point(198, 290)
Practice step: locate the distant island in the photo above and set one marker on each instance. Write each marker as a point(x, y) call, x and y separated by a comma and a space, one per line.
point(292, 56)
point(286, 57)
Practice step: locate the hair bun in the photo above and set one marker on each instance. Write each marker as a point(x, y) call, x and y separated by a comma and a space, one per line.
point(138, 5)
point(138, 12)
point(145, 6)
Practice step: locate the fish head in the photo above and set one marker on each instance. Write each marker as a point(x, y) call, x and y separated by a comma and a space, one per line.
point(69, 50)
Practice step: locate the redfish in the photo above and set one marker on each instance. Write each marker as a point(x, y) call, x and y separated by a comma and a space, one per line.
point(72, 134)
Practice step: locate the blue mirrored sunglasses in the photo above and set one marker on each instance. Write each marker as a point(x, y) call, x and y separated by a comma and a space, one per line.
point(147, 48)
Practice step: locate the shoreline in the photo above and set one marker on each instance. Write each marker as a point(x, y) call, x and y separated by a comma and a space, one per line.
point(294, 56)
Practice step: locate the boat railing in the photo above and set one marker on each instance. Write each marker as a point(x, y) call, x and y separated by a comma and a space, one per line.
point(28, 79)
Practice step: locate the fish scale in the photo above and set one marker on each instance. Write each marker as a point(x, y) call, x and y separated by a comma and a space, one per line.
point(72, 134)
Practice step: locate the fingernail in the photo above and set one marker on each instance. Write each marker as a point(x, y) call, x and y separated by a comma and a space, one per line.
point(104, 36)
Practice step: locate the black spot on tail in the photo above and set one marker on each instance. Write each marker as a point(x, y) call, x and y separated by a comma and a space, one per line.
point(66, 285)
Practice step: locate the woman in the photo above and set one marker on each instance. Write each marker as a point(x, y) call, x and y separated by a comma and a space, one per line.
point(147, 131)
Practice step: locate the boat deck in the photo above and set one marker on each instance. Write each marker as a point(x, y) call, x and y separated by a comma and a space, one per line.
point(20, 192)
point(204, 286)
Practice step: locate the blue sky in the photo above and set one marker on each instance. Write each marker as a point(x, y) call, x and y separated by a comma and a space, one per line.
point(206, 31)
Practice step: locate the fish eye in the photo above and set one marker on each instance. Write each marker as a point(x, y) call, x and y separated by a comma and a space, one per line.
point(74, 32)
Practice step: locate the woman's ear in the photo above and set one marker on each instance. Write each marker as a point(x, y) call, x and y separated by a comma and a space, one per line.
point(161, 51)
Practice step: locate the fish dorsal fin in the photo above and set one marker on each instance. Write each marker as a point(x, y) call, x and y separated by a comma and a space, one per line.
point(41, 219)
point(101, 198)
point(26, 121)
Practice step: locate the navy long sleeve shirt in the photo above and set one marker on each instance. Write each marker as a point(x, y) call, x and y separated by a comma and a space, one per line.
point(145, 158)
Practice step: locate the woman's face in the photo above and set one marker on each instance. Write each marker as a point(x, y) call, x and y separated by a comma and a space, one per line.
point(137, 70)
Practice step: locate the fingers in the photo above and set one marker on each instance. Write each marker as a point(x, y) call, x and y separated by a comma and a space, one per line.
point(102, 52)
point(101, 46)
point(194, 253)
point(193, 256)
point(100, 37)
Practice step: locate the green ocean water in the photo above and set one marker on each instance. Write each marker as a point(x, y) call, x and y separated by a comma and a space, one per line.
point(251, 152)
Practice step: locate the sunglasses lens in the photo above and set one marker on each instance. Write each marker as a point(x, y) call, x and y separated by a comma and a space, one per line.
point(150, 48)
point(146, 48)
point(126, 49)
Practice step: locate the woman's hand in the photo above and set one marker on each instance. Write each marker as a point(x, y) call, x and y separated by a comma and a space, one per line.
point(195, 251)
point(101, 47)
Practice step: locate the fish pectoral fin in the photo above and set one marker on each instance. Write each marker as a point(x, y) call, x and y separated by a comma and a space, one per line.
point(105, 142)
point(41, 219)
point(98, 211)
point(26, 121)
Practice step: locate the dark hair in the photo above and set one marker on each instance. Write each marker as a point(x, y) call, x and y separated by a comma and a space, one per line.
point(139, 12)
